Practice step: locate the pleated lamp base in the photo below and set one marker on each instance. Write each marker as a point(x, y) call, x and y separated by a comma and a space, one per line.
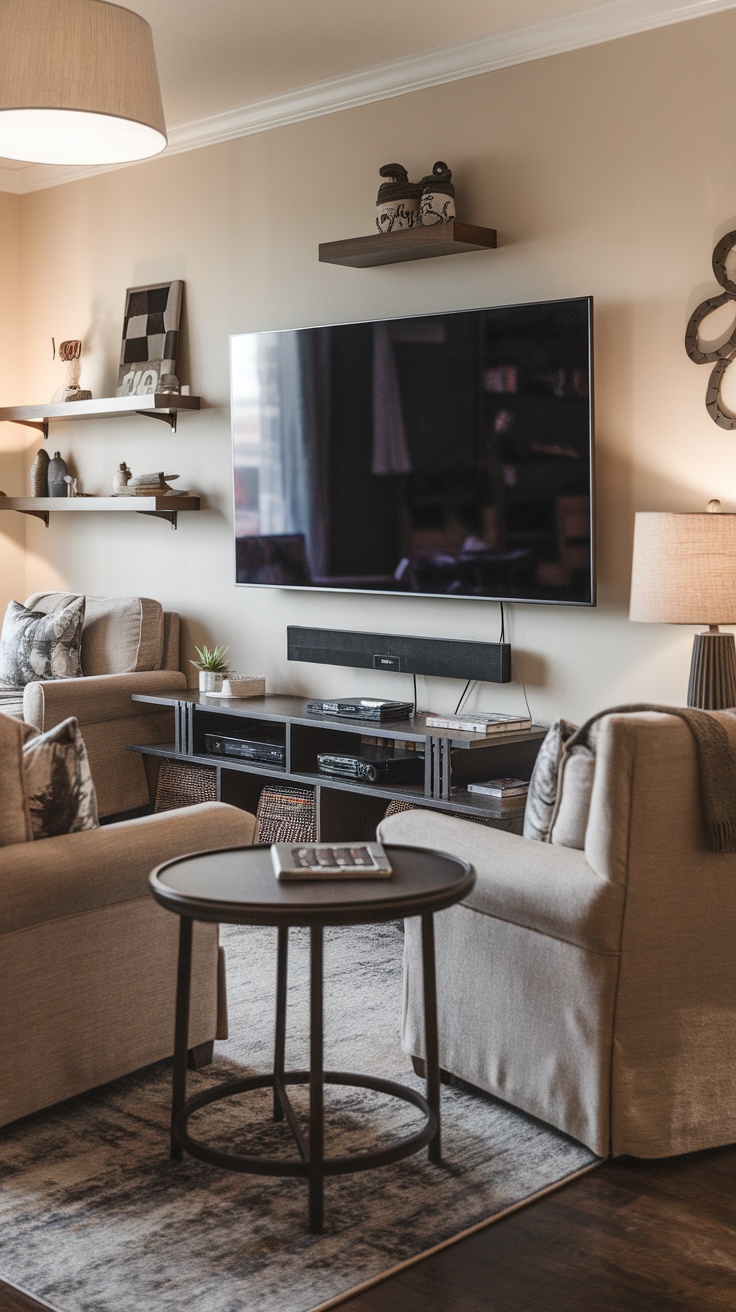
point(712, 685)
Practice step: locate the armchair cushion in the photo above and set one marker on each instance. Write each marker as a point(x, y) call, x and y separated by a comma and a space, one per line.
point(36, 645)
point(78, 873)
point(120, 634)
point(58, 783)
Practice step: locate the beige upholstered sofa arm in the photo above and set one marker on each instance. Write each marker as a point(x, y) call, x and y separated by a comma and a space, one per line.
point(96, 699)
point(58, 877)
point(545, 888)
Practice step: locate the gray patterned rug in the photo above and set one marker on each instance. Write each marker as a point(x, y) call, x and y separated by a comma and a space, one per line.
point(94, 1217)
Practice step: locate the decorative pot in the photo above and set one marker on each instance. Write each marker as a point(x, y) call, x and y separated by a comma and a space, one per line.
point(58, 470)
point(209, 681)
point(397, 203)
point(40, 474)
point(438, 196)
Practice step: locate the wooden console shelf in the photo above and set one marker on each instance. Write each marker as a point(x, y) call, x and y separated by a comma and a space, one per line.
point(161, 507)
point(160, 405)
point(345, 808)
point(409, 244)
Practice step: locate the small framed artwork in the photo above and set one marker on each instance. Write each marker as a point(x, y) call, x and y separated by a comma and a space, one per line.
point(150, 337)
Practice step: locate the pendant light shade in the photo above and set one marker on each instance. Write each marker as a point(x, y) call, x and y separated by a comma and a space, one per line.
point(78, 83)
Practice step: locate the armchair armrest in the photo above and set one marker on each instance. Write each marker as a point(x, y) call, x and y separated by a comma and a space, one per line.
point(543, 887)
point(53, 878)
point(96, 698)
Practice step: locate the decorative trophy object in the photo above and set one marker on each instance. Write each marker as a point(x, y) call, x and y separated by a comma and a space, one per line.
point(58, 470)
point(70, 353)
point(438, 196)
point(397, 203)
point(120, 480)
point(40, 474)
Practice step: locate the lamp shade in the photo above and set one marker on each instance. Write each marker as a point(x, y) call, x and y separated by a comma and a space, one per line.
point(78, 83)
point(684, 569)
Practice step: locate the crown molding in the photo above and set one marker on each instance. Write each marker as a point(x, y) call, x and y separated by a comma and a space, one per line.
point(606, 21)
point(10, 180)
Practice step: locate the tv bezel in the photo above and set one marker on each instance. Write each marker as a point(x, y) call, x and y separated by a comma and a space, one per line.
point(441, 596)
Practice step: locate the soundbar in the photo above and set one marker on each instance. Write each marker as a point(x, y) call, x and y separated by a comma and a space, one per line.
point(445, 657)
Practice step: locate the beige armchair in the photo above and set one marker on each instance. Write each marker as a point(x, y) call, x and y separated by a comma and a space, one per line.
point(87, 958)
point(595, 988)
point(129, 644)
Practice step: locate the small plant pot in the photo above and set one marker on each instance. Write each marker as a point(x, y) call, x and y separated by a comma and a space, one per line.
point(209, 681)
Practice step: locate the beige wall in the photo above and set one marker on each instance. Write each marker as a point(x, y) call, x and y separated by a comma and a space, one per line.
point(602, 174)
point(12, 438)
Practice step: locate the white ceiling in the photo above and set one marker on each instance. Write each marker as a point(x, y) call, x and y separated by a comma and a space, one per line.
point(236, 66)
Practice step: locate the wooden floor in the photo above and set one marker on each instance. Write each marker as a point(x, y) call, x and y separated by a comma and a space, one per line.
point(631, 1236)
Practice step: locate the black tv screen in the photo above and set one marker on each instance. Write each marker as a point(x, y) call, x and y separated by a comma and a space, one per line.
point(443, 455)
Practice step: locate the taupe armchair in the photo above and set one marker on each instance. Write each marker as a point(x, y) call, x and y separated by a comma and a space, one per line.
point(595, 988)
point(87, 958)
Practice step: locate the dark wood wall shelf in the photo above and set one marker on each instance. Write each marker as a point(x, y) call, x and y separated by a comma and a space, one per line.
point(345, 808)
point(409, 244)
point(160, 507)
point(159, 405)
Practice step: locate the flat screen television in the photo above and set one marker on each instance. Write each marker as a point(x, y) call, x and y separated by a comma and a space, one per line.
point(442, 455)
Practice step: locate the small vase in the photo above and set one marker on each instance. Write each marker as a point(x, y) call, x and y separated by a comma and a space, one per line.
point(40, 474)
point(438, 197)
point(58, 470)
point(209, 681)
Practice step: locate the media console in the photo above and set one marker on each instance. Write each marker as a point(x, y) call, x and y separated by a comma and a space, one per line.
point(345, 808)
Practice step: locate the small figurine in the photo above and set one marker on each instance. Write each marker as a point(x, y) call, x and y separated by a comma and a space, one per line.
point(70, 352)
point(438, 196)
point(397, 203)
point(120, 480)
point(58, 470)
point(71, 486)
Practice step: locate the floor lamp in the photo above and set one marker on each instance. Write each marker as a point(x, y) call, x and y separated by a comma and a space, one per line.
point(684, 572)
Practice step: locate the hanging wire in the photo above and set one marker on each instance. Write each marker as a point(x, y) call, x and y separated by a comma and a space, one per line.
point(502, 638)
point(464, 693)
point(415, 694)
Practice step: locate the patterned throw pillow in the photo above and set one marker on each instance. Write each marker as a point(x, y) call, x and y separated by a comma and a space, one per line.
point(58, 784)
point(541, 799)
point(35, 646)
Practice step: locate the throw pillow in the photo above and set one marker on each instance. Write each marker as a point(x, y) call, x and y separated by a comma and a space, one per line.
point(36, 646)
point(58, 784)
point(541, 802)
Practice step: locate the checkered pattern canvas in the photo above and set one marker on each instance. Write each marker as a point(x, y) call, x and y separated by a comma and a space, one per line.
point(150, 336)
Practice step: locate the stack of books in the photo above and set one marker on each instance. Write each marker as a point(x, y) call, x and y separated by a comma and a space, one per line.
point(481, 722)
point(500, 788)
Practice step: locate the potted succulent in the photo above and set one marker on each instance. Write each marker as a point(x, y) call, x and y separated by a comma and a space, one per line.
point(212, 666)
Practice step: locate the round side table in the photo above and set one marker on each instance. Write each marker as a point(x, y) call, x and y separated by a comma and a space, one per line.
point(238, 887)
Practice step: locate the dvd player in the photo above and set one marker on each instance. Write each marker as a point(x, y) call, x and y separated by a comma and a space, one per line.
point(363, 708)
point(246, 749)
point(374, 765)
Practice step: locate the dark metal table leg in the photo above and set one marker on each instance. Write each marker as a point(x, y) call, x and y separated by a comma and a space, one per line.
point(430, 1032)
point(181, 1029)
point(316, 1082)
point(280, 1043)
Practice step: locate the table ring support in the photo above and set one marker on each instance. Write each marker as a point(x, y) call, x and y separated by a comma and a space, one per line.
point(363, 1161)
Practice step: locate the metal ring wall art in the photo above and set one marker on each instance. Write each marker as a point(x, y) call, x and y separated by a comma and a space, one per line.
point(726, 352)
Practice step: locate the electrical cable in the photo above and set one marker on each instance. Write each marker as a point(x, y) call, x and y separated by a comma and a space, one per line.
point(464, 694)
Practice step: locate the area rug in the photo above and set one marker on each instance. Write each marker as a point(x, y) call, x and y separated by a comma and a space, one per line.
point(94, 1217)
